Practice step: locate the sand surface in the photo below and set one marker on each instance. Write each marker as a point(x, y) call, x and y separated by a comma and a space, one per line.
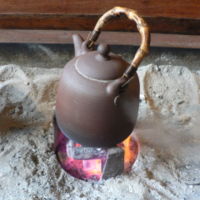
point(167, 168)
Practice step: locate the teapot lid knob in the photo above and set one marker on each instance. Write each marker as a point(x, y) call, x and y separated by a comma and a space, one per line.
point(104, 50)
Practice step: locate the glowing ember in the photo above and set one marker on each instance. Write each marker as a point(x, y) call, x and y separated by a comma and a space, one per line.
point(130, 147)
point(90, 168)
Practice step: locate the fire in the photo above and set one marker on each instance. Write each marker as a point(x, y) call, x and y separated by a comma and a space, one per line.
point(92, 169)
point(130, 147)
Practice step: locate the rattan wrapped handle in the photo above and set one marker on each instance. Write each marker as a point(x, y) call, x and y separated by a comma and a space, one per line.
point(142, 28)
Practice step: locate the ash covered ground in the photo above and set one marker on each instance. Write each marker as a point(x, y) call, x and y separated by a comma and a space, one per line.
point(168, 166)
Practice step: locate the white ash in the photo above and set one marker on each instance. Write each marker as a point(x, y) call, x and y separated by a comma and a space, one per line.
point(27, 97)
point(168, 166)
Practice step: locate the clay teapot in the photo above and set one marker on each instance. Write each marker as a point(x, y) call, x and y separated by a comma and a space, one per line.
point(98, 94)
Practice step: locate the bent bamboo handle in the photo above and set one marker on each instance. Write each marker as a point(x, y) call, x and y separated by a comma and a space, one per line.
point(142, 28)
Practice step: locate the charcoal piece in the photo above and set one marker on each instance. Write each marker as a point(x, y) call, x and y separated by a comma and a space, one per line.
point(114, 163)
point(84, 153)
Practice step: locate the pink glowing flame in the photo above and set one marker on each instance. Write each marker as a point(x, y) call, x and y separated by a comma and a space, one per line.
point(91, 169)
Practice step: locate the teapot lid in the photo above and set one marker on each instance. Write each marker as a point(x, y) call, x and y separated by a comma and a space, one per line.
point(101, 64)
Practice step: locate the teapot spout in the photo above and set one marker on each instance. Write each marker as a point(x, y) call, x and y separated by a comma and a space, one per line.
point(77, 40)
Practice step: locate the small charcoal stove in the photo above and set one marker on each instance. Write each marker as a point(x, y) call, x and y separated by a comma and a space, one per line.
point(90, 163)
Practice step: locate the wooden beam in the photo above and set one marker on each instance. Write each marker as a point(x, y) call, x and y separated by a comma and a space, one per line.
point(114, 38)
point(68, 22)
point(149, 8)
point(166, 16)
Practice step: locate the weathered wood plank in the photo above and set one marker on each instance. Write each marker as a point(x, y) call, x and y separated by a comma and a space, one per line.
point(115, 38)
point(157, 25)
point(149, 8)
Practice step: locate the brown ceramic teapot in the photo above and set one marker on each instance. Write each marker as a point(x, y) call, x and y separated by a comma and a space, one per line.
point(98, 94)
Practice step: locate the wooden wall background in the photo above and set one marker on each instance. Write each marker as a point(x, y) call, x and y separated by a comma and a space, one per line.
point(163, 16)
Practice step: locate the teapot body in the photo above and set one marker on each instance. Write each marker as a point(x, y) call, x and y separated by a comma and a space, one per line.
point(98, 94)
point(89, 115)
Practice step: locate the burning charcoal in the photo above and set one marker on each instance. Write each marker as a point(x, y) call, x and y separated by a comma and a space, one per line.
point(90, 163)
point(84, 153)
point(114, 164)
